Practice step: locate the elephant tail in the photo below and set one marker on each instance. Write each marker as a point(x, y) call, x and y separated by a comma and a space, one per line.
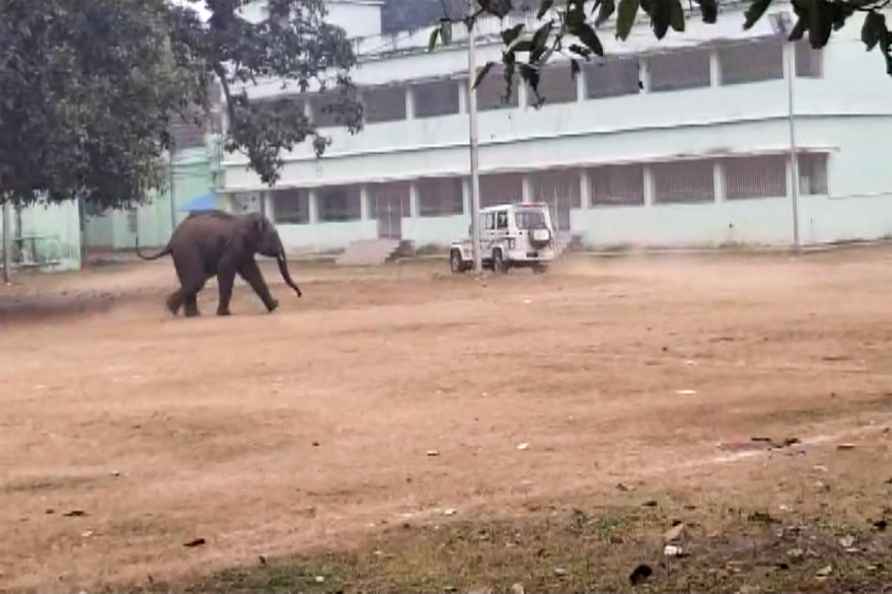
point(160, 254)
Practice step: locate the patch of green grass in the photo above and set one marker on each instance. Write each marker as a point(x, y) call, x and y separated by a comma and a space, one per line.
point(584, 550)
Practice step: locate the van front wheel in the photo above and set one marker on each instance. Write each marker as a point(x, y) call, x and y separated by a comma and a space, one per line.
point(455, 262)
point(498, 262)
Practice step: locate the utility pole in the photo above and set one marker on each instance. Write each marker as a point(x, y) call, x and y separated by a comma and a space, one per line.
point(781, 24)
point(473, 140)
point(173, 204)
point(794, 152)
point(7, 241)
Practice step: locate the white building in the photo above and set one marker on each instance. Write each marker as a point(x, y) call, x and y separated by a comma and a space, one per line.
point(679, 142)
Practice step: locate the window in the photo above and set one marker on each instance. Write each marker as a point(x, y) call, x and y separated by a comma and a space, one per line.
point(491, 92)
point(502, 219)
point(436, 98)
point(755, 177)
point(245, 202)
point(612, 78)
point(440, 197)
point(329, 109)
point(133, 221)
point(557, 187)
point(94, 209)
point(384, 104)
point(389, 200)
point(502, 188)
point(752, 62)
point(489, 221)
point(339, 203)
point(556, 85)
point(813, 173)
point(685, 69)
point(530, 219)
point(617, 185)
point(808, 60)
point(683, 181)
point(291, 207)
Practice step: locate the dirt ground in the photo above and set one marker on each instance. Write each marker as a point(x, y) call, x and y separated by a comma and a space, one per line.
point(402, 395)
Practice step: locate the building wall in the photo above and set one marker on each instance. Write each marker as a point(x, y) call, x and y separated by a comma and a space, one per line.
point(57, 229)
point(359, 18)
point(707, 123)
point(116, 230)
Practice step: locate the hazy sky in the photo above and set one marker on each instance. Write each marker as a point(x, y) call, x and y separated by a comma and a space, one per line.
point(199, 6)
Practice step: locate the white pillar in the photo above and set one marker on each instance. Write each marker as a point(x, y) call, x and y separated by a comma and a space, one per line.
point(313, 200)
point(585, 189)
point(715, 68)
point(462, 96)
point(364, 202)
point(522, 93)
point(308, 109)
point(466, 197)
point(581, 85)
point(644, 75)
point(649, 187)
point(413, 200)
point(719, 182)
point(410, 102)
point(526, 188)
point(269, 206)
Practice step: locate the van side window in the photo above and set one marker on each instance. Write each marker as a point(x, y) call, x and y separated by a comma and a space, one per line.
point(489, 221)
point(502, 220)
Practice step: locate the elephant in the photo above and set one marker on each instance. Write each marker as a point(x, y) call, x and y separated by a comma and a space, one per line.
point(219, 243)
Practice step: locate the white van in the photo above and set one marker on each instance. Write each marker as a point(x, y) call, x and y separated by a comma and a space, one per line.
point(511, 235)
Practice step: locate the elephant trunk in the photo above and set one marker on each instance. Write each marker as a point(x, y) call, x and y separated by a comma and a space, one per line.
point(283, 269)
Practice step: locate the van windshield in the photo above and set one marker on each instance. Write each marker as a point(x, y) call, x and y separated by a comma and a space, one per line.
point(530, 219)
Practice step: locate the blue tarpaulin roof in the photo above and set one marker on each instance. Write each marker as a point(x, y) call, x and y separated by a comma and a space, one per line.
point(200, 203)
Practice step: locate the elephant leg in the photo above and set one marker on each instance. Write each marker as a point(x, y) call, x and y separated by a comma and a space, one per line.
point(192, 278)
point(252, 275)
point(225, 279)
point(174, 302)
point(192, 305)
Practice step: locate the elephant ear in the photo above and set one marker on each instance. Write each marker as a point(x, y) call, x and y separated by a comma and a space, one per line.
point(255, 226)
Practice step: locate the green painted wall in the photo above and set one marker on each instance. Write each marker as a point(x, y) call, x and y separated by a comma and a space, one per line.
point(117, 230)
point(56, 232)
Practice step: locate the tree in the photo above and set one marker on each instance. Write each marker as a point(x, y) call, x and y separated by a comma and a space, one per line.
point(570, 28)
point(91, 89)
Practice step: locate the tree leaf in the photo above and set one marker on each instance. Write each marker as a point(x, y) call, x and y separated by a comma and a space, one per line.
point(432, 42)
point(660, 16)
point(581, 51)
point(709, 9)
point(481, 75)
point(540, 38)
point(575, 13)
point(606, 10)
point(873, 30)
point(841, 13)
point(499, 8)
point(754, 12)
point(625, 18)
point(676, 18)
point(530, 76)
point(588, 36)
point(575, 68)
point(510, 35)
point(544, 7)
point(820, 23)
point(446, 32)
point(799, 29)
